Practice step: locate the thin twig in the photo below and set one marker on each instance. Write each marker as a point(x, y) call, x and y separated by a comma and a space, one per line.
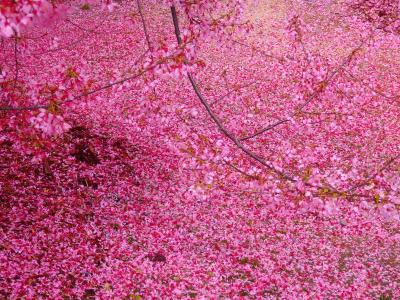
point(34, 107)
point(310, 98)
point(240, 171)
point(262, 52)
point(352, 77)
point(369, 178)
point(16, 60)
point(232, 91)
point(146, 34)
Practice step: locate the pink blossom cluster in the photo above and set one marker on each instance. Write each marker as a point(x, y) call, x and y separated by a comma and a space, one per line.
point(15, 14)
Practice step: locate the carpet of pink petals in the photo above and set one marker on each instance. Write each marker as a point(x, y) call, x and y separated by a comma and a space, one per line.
point(138, 195)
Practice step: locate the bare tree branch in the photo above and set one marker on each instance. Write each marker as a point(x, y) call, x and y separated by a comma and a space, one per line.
point(232, 137)
point(232, 91)
point(355, 79)
point(261, 131)
point(146, 33)
point(16, 59)
point(323, 85)
point(365, 182)
point(216, 120)
point(240, 171)
point(120, 81)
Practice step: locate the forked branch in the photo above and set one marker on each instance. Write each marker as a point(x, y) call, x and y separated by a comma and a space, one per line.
point(215, 118)
point(233, 138)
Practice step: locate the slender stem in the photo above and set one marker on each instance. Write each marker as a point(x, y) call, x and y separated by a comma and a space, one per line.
point(323, 86)
point(16, 60)
point(120, 81)
point(146, 33)
point(240, 171)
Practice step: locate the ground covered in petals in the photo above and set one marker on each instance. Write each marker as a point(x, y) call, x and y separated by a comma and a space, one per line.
point(140, 196)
